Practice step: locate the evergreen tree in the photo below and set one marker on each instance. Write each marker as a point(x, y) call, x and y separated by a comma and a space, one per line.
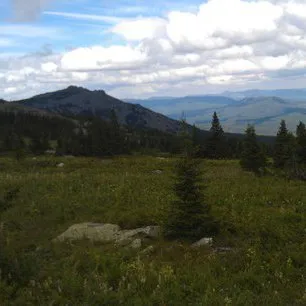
point(190, 216)
point(61, 146)
point(301, 142)
point(40, 143)
point(252, 156)
point(284, 146)
point(15, 143)
point(216, 141)
point(184, 135)
point(117, 138)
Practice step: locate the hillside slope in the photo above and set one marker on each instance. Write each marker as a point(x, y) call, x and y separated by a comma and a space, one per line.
point(264, 111)
point(80, 101)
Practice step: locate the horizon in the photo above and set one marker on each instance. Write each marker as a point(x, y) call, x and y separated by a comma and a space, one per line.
point(223, 93)
point(138, 50)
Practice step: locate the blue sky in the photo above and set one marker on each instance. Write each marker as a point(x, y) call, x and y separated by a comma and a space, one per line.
point(135, 48)
point(75, 23)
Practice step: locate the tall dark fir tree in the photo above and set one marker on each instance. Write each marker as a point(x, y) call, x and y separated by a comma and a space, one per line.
point(252, 155)
point(216, 141)
point(283, 147)
point(301, 143)
point(190, 215)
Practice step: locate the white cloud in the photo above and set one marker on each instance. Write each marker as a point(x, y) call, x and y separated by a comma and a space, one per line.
point(28, 31)
point(140, 29)
point(48, 67)
point(224, 43)
point(90, 17)
point(95, 58)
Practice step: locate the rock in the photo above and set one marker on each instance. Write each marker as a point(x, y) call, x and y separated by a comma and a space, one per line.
point(34, 158)
point(147, 251)
point(92, 231)
point(223, 250)
point(136, 244)
point(126, 236)
point(202, 242)
point(157, 172)
point(69, 156)
point(108, 233)
point(61, 165)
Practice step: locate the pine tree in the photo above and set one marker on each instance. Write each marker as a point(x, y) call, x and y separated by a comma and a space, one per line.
point(117, 138)
point(301, 143)
point(284, 146)
point(40, 143)
point(215, 144)
point(190, 216)
point(187, 147)
point(252, 156)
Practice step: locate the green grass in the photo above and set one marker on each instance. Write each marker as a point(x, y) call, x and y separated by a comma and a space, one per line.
point(262, 218)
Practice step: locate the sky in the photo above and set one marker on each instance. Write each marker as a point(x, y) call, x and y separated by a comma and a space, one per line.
point(144, 48)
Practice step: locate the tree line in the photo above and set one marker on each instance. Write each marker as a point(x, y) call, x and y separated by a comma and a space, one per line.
point(22, 133)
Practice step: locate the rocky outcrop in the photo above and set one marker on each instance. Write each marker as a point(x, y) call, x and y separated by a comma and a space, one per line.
point(100, 232)
point(202, 242)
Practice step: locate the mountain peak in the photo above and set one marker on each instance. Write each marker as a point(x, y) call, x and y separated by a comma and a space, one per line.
point(75, 89)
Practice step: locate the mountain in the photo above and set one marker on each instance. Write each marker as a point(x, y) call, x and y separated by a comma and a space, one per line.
point(264, 112)
point(287, 94)
point(236, 111)
point(80, 101)
point(174, 107)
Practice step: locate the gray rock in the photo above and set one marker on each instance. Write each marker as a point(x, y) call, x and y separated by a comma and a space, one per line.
point(92, 231)
point(157, 172)
point(147, 251)
point(136, 244)
point(108, 233)
point(61, 165)
point(223, 250)
point(126, 236)
point(202, 242)
point(69, 156)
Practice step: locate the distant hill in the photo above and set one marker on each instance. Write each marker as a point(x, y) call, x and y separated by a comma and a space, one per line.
point(286, 94)
point(236, 110)
point(189, 105)
point(234, 115)
point(80, 101)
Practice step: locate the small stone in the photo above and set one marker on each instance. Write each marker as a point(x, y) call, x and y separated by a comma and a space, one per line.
point(157, 172)
point(61, 165)
point(223, 250)
point(69, 156)
point(136, 244)
point(147, 251)
point(202, 242)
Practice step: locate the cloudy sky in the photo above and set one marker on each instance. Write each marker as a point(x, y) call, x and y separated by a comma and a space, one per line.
point(142, 48)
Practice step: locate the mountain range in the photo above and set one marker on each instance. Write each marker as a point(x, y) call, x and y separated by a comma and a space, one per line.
point(235, 109)
point(78, 101)
point(263, 108)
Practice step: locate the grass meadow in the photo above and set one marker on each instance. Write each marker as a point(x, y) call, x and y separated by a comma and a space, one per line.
point(263, 220)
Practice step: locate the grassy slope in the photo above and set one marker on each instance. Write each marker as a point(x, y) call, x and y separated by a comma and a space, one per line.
point(262, 218)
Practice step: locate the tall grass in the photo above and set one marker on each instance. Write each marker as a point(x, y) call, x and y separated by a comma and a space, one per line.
point(262, 219)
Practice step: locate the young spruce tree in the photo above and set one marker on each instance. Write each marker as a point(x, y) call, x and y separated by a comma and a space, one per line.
point(284, 146)
point(215, 143)
point(190, 216)
point(252, 156)
point(301, 143)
